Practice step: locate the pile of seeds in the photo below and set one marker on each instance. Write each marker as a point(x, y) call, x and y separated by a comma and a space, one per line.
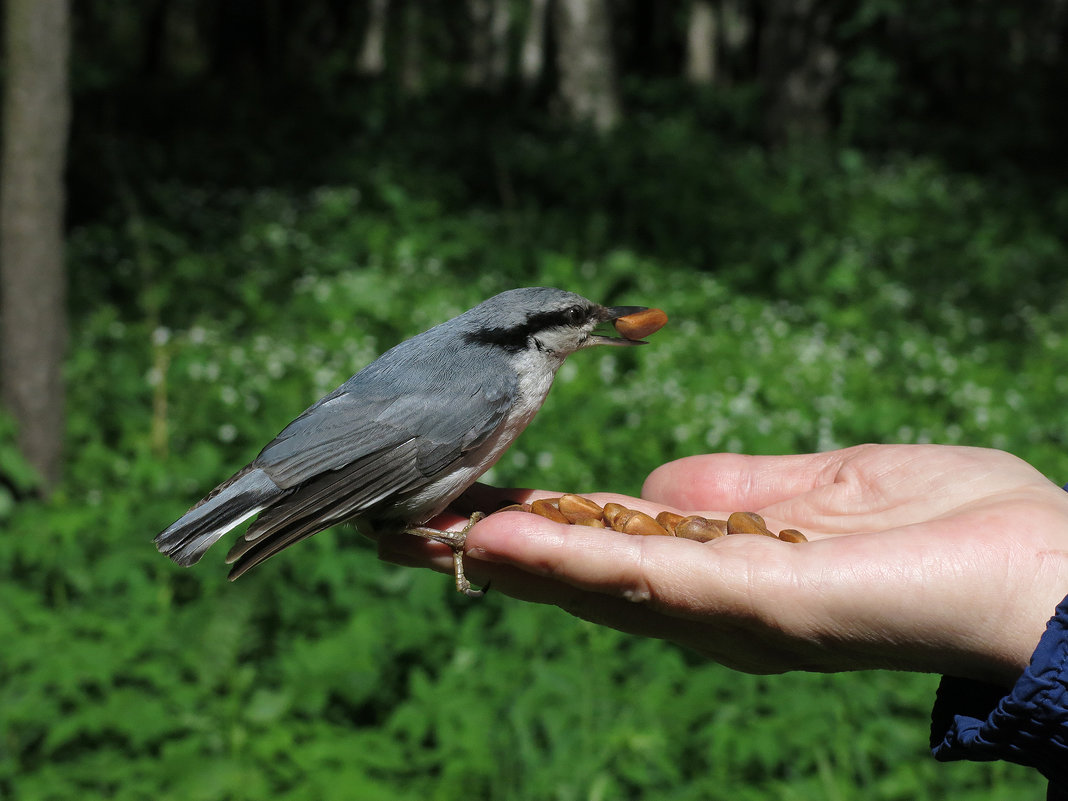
point(579, 511)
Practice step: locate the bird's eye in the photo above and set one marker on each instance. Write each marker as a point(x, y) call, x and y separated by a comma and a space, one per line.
point(576, 315)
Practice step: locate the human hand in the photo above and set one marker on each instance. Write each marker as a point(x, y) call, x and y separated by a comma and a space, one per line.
point(921, 557)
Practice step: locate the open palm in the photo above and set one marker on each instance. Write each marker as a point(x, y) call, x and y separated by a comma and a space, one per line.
point(922, 557)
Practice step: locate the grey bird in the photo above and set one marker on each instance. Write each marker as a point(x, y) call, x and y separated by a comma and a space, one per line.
point(398, 442)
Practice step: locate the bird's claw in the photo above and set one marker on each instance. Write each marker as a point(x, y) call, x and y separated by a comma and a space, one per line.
point(455, 540)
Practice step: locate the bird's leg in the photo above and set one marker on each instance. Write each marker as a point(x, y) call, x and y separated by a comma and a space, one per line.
point(455, 540)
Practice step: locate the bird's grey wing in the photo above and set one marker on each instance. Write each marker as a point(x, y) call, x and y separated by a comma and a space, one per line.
point(446, 417)
point(325, 500)
point(348, 453)
point(338, 430)
point(449, 425)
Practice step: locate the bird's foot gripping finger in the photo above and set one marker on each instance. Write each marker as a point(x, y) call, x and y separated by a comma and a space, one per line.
point(455, 540)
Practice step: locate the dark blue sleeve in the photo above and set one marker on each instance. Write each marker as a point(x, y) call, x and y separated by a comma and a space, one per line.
point(1029, 725)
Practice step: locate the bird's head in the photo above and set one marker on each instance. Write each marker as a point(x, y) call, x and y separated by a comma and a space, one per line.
point(552, 321)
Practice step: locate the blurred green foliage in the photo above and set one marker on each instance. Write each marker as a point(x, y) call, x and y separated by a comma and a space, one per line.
point(848, 301)
point(820, 296)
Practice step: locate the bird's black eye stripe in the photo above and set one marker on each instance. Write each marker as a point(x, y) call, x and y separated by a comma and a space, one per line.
point(511, 339)
point(515, 337)
point(572, 315)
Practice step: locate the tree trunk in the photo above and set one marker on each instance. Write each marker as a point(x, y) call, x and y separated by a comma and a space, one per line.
point(372, 58)
point(500, 52)
point(490, 21)
point(701, 41)
point(532, 57)
point(798, 66)
point(154, 38)
point(412, 54)
point(33, 327)
point(737, 58)
point(588, 88)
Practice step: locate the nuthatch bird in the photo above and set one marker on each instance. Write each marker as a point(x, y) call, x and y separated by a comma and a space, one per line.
point(398, 442)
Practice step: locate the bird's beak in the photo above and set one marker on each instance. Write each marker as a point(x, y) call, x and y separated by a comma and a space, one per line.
point(610, 314)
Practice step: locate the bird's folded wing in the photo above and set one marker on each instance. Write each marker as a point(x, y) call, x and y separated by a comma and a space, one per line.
point(327, 499)
point(348, 453)
point(445, 420)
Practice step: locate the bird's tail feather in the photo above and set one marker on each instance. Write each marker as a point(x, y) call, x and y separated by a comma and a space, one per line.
point(228, 505)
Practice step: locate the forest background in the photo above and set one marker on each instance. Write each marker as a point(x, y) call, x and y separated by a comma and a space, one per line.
point(854, 212)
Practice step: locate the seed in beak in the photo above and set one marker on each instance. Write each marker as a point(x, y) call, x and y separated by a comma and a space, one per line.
point(641, 324)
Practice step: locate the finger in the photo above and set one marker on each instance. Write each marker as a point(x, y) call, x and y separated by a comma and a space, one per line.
point(716, 598)
point(411, 551)
point(761, 655)
point(484, 498)
point(664, 573)
point(414, 551)
point(738, 481)
point(706, 636)
point(747, 601)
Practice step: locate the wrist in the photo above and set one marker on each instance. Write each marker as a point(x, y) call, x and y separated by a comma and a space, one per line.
point(1026, 724)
